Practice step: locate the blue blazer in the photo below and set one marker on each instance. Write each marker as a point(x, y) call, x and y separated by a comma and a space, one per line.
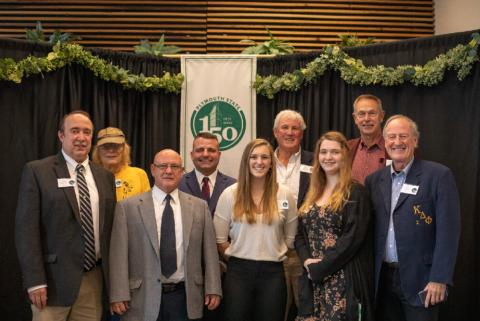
point(427, 225)
point(189, 185)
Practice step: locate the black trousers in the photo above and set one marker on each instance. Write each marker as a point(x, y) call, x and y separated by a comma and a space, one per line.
point(173, 306)
point(391, 303)
point(254, 291)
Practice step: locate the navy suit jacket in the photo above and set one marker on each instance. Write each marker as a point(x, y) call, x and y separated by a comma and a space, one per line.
point(189, 184)
point(427, 225)
point(306, 158)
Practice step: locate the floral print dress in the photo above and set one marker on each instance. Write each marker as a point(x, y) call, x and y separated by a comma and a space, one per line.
point(329, 297)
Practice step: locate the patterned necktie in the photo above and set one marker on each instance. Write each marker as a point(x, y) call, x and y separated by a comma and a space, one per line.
point(206, 188)
point(89, 257)
point(168, 251)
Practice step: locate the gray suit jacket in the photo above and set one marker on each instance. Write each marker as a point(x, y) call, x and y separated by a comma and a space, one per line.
point(48, 230)
point(135, 258)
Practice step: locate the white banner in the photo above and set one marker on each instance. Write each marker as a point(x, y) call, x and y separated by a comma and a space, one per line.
point(217, 97)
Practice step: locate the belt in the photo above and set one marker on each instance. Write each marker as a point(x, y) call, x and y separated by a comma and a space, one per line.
point(172, 287)
point(391, 265)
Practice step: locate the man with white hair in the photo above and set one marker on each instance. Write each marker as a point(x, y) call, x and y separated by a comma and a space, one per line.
point(293, 170)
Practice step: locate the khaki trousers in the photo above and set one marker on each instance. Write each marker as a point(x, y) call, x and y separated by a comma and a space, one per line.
point(293, 269)
point(87, 306)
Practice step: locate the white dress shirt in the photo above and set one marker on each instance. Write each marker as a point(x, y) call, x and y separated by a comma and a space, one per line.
point(211, 179)
point(159, 205)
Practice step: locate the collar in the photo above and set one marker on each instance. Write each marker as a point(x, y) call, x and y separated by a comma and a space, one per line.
point(405, 170)
point(292, 158)
point(159, 195)
point(73, 163)
point(212, 177)
point(379, 142)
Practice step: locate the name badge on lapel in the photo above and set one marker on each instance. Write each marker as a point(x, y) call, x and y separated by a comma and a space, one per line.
point(306, 168)
point(388, 162)
point(283, 204)
point(409, 189)
point(65, 182)
point(118, 183)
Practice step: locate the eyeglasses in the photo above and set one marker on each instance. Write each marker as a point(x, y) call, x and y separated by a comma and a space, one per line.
point(371, 114)
point(173, 167)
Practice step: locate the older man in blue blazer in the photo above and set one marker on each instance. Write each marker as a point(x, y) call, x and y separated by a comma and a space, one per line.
point(417, 228)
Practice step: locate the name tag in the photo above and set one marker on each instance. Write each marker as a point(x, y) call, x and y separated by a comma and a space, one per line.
point(409, 189)
point(388, 162)
point(306, 168)
point(283, 204)
point(65, 182)
point(118, 183)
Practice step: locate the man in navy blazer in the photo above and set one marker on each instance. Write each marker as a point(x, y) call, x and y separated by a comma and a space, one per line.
point(417, 228)
point(205, 181)
point(208, 183)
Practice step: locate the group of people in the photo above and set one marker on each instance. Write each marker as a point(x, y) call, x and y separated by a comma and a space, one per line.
point(357, 230)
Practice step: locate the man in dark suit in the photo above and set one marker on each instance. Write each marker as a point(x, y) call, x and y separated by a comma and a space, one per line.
point(206, 181)
point(293, 170)
point(417, 228)
point(164, 260)
point(63, 225)
point(368, 151)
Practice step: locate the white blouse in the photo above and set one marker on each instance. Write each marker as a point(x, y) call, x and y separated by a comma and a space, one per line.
point(258, 241)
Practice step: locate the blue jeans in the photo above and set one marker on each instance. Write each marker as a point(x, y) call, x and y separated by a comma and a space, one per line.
point(254, 291)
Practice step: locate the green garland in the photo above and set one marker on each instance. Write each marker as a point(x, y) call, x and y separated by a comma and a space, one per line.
point(64, 54)
point(354, 72)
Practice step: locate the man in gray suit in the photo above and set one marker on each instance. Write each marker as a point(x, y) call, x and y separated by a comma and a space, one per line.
point(62, 227)
point(164, 261)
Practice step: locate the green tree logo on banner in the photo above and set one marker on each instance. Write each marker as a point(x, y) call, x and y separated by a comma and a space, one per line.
point(222, 117)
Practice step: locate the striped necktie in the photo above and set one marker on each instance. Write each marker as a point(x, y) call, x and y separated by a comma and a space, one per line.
point(89, 258)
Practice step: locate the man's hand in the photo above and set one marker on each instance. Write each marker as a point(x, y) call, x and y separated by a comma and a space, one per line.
point(212, 301)
point(38, 297)
point(435, 293)
point(119, 307)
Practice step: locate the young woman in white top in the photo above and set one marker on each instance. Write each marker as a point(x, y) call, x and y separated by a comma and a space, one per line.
point(255, 222)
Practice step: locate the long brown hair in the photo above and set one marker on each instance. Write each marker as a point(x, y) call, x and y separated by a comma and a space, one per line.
point(244, 205)
point(318, 179)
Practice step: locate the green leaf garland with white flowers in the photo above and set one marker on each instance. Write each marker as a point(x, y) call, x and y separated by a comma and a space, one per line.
point(460, 59)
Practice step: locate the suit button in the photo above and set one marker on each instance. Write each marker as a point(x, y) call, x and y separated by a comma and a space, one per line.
point(158, 280)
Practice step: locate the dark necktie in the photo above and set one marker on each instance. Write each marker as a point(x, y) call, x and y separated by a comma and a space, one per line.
point(89, 257)
point(168, 252)
point(205, 189)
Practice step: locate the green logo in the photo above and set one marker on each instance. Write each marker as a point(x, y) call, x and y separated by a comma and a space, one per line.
point(222, 117)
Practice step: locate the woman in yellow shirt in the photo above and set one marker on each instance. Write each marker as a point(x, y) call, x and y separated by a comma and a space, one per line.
point(113, 153)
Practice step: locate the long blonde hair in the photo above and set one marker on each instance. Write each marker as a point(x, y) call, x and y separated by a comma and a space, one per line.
point(244, 205)
point(318, 179)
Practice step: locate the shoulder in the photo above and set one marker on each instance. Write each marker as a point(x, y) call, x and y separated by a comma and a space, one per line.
point(353, 141)
point(186, 197)
point(230, 180)
point(45, 162)
point(136, 199)
point(430, 166)
point(306, 157)
point(357, 190)
point(136, 170)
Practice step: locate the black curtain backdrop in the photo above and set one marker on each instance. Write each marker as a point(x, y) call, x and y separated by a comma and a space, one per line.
point(448, 116)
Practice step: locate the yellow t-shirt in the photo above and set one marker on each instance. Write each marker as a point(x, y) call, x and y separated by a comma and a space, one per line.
point(131, 181)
